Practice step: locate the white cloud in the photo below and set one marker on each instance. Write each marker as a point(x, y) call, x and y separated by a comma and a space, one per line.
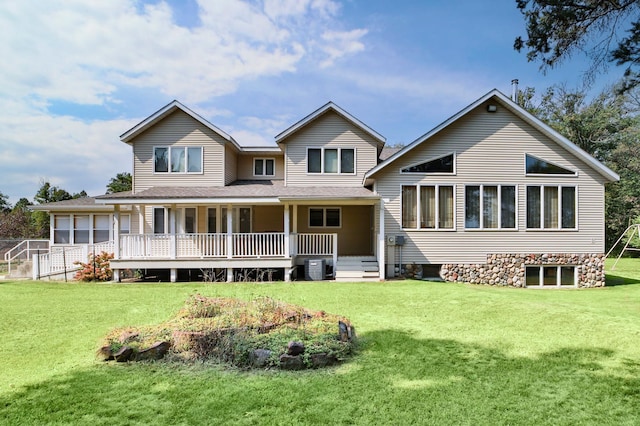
point(83, 52)
point(68, 152)
point(341, 43)
point(79, 52)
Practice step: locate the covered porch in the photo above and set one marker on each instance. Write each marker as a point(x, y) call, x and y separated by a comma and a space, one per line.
point(254, 233)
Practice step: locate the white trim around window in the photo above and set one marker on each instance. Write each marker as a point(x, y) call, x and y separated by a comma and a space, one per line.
point(491, 214)
point(416, 166)
point(529, 168)
point(324, 217)
point(545, 276)
point(82, 228)
point(178, 159)
point(340, 159)
point(556, 207)
point(264, 167)
point(422, 207)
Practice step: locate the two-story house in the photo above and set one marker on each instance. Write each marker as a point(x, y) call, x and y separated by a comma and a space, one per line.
point(492, 195)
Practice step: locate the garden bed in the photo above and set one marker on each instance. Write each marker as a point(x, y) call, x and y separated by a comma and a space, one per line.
point(262, 333)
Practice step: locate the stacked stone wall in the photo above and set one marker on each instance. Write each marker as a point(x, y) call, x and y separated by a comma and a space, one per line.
point(509, 269)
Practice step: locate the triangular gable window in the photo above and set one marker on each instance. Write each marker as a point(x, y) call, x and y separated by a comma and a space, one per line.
point(439, 165)
point(537, 166)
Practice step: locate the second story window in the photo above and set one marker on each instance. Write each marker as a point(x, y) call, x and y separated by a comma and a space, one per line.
point(331, 160)
point(264, 167)
point(177, 159)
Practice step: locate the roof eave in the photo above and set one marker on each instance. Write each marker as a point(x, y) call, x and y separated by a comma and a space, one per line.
point(157, 116)
point(380, 140)
point(524, 115)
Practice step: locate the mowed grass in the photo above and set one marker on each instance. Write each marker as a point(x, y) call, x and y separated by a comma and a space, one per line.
point(431, 353)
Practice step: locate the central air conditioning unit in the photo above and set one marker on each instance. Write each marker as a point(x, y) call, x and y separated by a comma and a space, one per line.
point(314, 269)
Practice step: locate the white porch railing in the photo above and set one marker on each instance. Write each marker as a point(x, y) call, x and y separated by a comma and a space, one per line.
point(201, 245)
point(241, 245)
point(24, 250)
point(63, 259)
point(267, 244)
point(145, 246)
point(314, 244)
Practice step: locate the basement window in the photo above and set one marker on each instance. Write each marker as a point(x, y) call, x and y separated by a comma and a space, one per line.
point(550, 276)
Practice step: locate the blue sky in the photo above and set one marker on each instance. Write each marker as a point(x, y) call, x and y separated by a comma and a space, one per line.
point(78, 74)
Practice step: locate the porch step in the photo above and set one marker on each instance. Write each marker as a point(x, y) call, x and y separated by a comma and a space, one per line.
point(357, 268)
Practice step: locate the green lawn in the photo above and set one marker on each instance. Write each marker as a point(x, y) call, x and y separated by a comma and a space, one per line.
point(432, 353)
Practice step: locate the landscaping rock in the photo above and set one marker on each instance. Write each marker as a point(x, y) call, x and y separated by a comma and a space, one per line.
point(291, 362)
point(295, 348)
point(124, 354)
point(154, 352)
point(346, 331)
point(106, 353)
point(321, 360)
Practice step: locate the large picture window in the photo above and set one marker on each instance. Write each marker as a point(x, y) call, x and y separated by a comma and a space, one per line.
point(551, 207)
point(490, 207)
point(331, 160)
point(428, 207)
point(177, 159)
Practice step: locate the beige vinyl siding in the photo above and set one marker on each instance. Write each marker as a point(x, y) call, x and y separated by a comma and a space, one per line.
point(329, 131)
point(230, 165)
point(245, 167)
point(490, 149)
point(355, 235)
point(268, 219)
point(181, 130)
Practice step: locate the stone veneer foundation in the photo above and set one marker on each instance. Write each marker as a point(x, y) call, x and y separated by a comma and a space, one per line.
point(509, 269)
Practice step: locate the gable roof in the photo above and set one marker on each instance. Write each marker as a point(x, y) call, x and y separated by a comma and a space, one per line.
point(163, 112)
point(520, 112)
point(330, 106)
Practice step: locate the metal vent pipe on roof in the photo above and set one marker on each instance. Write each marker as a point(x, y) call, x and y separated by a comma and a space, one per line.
point(514, 90)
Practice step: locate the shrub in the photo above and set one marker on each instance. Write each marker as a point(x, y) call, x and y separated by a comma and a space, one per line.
point(97, 269)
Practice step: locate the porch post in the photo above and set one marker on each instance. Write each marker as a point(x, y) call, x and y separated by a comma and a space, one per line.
point(229, 241)
point(287, 232)
point(381, 242)
point(116, 231)
point(229, 231)
point(172, 230)
point(52, 220)
point(116, 240)
point(141, 209)
point(173, 272)
point(335, 254)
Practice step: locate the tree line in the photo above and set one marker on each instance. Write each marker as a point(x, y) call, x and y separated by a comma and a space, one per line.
point(20, 222)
